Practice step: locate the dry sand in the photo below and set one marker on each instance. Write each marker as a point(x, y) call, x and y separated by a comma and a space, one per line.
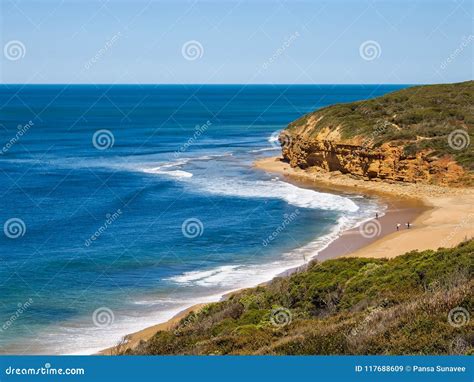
point(439, 217)
point(132, 340)
point(448, 220)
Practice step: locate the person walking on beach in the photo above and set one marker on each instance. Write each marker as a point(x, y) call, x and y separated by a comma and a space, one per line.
point(398, 226)
point(376, 215)
point(408, 225)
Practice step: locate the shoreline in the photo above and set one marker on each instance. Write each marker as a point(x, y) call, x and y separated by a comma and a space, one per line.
point(445, 221)
point(347, 241)
point(401, 207)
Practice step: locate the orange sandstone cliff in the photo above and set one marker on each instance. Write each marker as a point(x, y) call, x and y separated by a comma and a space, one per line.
point(420, 134)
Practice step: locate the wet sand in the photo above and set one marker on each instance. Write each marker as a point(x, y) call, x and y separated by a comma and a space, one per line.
point(438, 217)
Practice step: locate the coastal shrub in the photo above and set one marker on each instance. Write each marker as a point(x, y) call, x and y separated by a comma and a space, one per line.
point(418, 118)
point(340, 306)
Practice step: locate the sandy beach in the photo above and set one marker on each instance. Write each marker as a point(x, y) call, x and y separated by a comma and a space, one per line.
point(133, 339)
point(439, 217)
point(447, 219)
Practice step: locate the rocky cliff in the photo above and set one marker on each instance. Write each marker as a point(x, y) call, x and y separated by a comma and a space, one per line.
point(420, 134)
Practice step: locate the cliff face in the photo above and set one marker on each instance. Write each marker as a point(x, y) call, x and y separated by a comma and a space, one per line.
point(419, 134)
point(388, 162)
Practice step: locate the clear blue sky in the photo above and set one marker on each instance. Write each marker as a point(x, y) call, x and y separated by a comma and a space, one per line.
point(141, 41)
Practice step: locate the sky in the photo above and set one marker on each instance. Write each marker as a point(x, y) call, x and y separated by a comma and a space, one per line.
point(216, 42)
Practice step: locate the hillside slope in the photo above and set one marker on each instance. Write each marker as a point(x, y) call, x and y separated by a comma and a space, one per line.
point(417, 303)
point(419, 134)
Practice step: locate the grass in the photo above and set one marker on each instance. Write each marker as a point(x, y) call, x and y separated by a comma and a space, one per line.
point(418, 118)
point(341, 306)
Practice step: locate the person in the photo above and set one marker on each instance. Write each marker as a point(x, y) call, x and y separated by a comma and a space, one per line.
point(376, 215)
point(408, 225)
point(398, 226)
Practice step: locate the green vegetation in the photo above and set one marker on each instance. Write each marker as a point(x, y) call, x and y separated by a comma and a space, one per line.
point(418, 118)
point(341, 306)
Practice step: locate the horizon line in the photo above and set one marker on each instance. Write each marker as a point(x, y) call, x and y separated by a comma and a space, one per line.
point(212, 84)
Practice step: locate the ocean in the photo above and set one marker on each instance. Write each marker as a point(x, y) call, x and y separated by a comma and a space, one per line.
point(122, 205)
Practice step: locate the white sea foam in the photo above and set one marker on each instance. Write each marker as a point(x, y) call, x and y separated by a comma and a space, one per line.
point(199, 276)
point(274, 136)
point(226, 278)
point(265, 149)
point(218, 281)
point(163, 168)
point(299, 197)
point(233, 277)
point(173, 173)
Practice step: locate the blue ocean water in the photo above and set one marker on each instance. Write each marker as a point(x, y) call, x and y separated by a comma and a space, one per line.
point(121, 205)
